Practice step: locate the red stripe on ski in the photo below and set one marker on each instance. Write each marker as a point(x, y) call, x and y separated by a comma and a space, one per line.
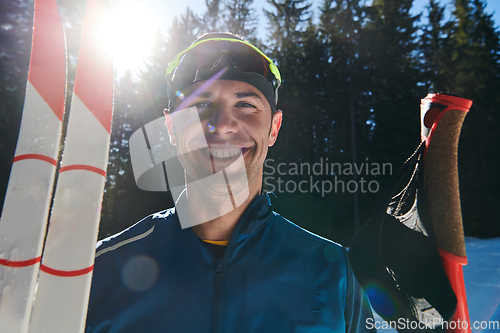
point(57, 272)
point(24, 263)
point(83, 167)
point(35, 157)
point(47, 71)
point(94, 72)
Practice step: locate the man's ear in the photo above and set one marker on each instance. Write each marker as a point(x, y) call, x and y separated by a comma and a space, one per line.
point(170, 126)
point(275, 127)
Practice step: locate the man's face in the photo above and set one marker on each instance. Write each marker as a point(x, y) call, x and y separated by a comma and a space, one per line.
point(235, 120)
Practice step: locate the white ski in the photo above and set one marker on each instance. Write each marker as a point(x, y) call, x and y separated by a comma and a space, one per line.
point(29, 192)
point(66, 268)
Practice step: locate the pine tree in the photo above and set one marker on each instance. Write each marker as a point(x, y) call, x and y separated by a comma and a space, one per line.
point(434, 47)
point(309, 125)
point(212, 20)
point(118, 171)
point(474, 72)
point(153, 84)
point(240, 18)
point(183, 31)
point(474, 46)
point(388, 48)
point(287, 23)
point(340, 27)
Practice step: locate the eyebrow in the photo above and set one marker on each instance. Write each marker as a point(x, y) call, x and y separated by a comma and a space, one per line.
point(241, 94)
point(247, 94)
point(205, 94)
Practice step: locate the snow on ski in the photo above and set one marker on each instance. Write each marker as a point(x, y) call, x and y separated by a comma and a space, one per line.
point(26, 207)
point(66, 268)
point(441, 122)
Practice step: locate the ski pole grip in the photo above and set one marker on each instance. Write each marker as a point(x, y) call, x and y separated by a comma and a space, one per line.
point(442, 117)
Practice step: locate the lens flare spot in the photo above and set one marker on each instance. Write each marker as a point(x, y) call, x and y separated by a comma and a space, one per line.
point(211, 128)
point(381, 300)
point(180, 95)
point(140, 273)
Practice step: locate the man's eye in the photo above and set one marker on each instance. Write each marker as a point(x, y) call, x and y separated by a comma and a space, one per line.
point(201, 105)
point(245, 105)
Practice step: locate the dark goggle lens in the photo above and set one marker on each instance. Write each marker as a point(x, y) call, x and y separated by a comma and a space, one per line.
point(205, 57)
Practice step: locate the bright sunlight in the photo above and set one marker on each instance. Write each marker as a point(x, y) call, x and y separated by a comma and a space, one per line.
point(128, 34)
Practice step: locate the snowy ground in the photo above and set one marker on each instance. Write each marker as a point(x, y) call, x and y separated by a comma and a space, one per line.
point(482, 283)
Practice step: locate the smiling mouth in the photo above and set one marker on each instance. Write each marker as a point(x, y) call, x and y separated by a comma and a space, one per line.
point(224, 153)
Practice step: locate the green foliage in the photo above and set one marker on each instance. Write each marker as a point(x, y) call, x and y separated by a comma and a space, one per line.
point(212, 18)
point(240, 18)
point(475, 73)
point(185, 30)
point(462, 56)
point(388, 52)
point(286, 46)
point(434, 47)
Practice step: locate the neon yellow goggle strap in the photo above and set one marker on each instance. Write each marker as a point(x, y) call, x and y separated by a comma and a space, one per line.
point(175, 62)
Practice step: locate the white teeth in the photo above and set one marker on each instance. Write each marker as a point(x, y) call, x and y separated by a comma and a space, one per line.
point(224, 153)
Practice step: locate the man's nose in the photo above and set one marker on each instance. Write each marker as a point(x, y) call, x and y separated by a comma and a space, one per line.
point(223, 122)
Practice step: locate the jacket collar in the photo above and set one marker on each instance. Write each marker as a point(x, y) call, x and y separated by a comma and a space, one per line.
point(256, 214)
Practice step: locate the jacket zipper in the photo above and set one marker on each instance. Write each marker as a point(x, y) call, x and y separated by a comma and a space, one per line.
point(217, 303)
point(219, 273)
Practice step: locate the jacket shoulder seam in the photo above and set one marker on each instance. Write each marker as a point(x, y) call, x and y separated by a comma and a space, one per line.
point(136, 232)
point(125, 242)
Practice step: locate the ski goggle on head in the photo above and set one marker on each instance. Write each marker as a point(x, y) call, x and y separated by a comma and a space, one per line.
point(225, 57)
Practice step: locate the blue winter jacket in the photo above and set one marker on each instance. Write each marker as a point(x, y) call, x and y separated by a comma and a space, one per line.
point(274, 277)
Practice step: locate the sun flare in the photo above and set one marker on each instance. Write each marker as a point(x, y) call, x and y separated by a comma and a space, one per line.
point(128, 33)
